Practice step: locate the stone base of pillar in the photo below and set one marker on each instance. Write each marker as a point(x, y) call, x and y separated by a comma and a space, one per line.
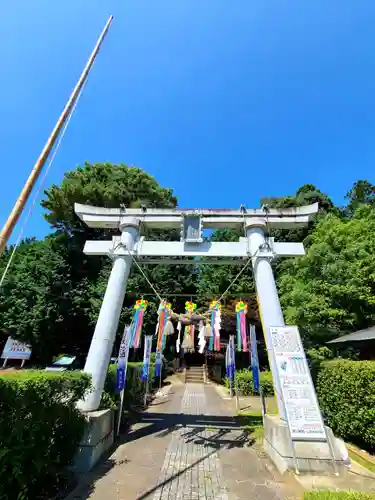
point(312, 457)
point(98, 438)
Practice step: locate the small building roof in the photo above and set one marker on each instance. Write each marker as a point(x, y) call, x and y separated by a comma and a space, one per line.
point(359, 336)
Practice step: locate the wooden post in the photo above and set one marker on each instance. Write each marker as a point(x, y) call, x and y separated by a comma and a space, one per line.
point(33, 177)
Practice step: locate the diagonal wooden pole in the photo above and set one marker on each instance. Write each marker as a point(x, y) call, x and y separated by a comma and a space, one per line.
point(38, 167)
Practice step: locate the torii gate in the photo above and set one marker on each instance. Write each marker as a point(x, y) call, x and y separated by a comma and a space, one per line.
point(130, 244)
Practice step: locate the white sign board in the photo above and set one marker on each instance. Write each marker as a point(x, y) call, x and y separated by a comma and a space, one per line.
point(14, 349)
point(301, 405)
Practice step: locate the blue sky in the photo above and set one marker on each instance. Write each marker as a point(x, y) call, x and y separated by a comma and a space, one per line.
point(223, 101)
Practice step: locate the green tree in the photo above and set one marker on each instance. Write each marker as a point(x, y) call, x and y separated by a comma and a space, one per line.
point(331, 291)
point(36, 297)
point(362, 193)
point(305, 195)
point(102, 185)
point(111, 186)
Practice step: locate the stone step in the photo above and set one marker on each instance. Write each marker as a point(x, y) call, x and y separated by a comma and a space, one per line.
point(194, 379)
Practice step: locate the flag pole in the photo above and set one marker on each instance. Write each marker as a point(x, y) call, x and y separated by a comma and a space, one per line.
point(38, 167)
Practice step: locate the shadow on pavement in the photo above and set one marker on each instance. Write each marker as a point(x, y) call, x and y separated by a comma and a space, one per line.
point(212, 432)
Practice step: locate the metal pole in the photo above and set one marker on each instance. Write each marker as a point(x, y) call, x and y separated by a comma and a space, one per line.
point(120, 412)
point(236, 389)
point(146, 393)
point(33, 177)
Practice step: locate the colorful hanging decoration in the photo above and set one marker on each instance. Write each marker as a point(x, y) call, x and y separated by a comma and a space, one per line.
point(163, 314)
point(190, 307)
point(241, 310)
point(188, 342)
point(137, 323)
point(215, 326)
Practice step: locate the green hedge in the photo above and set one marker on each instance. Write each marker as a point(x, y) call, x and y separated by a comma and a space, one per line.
point(39, 429)
point(134, 388)
point(346, 392)
point(245, 383)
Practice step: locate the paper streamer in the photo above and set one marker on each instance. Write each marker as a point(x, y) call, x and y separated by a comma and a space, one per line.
point(137, 323)
point(163, 314)
point(215, 325)
point(241, 310)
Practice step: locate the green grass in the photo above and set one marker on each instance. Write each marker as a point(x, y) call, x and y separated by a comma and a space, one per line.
point(338, 495)
point(253, 422)
point(360, 459)
point(249, 419)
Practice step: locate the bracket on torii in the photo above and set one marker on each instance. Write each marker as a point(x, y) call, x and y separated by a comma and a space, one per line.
point(192, 243)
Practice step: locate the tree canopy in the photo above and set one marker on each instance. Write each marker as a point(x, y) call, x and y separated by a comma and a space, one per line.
point(331, 290)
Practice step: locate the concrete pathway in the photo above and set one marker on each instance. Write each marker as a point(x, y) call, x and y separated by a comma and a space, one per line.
point(187, 446)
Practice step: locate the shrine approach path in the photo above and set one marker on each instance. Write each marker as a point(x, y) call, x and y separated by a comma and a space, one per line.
point(186, 446)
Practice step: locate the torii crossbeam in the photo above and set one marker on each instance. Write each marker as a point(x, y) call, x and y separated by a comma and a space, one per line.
point(130, 245)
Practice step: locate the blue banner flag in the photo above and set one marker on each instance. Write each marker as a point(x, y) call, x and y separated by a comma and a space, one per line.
point(158, 363)
point(146, 357)
point(230, 358)
point(122, 360)
point(254, 359)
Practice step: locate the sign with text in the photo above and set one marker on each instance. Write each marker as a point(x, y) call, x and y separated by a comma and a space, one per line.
point(301, 405)
point(14, 349)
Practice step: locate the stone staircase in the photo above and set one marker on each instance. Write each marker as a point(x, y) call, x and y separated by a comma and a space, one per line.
point(194, 375)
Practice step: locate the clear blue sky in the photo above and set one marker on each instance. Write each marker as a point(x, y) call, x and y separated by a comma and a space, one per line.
point(224, 101)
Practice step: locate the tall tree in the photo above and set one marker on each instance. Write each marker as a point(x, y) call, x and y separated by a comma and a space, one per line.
point(110, 186)
point(362, 193)
point(36, 298)
point(331, 291)
point(305, 195)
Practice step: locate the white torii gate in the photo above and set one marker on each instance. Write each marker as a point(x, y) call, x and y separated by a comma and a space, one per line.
point(130, 244)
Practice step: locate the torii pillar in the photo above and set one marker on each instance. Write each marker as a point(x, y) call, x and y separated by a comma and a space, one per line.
point(270, 310)
point(106, 327)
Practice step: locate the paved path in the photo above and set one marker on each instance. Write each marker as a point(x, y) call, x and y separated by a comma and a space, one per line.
point(187, 446)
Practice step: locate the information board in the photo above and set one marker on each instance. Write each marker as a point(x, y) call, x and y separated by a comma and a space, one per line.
point(14, 349)
point(301, 405)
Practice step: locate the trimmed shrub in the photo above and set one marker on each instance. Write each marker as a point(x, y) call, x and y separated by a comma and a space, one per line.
point(39, 429)
point(245, 383)
point(315, 358)
point(346, 392)
point(134, 388)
